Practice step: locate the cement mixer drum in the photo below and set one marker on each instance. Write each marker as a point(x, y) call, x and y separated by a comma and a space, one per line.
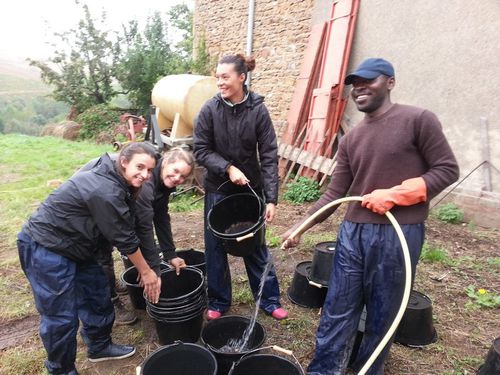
point(178, 99)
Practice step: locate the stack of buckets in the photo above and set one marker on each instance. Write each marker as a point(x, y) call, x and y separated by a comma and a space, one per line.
point(178, 315)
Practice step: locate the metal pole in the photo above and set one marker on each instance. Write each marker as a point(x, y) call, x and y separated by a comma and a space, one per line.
point(251, 13)
point(485, 144)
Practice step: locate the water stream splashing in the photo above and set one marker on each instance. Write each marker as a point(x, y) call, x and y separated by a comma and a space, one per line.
point(235, 345)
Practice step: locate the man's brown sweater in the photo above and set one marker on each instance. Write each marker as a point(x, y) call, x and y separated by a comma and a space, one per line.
point(381, 152)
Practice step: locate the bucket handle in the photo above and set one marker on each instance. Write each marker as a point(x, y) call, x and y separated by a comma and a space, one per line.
point(274, 347)
point(247, 184)
point(317, 285)
point(139, 368)
point(245, 237)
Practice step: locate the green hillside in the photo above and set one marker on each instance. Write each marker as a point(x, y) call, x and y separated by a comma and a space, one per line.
point(14, 84)
point(25, 102)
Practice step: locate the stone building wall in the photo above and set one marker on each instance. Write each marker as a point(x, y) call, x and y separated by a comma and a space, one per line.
point(281, 32)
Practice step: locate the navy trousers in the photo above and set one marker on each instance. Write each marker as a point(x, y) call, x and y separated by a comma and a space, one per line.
point(219, 275)
point(368, 269)
point(65, 293)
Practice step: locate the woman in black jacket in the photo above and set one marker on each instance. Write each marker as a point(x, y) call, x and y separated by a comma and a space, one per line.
point(151, 217)
point(234, 140)
point(57, 250)
point(172, 169)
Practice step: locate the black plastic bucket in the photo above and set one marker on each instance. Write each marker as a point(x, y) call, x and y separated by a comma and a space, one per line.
point(265, 364)
point(491, 364)
point(188, 284)
point(185, 330)
point(178, 315)
point(135, 292)
point(216, 334)
point(194, 258)
point(322, 262)
point(180, 359)
point(359, 337)
point(301, 292)
point(239, 220)
point(416, 328)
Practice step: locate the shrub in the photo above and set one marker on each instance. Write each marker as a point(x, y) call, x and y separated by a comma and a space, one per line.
point(303, 190)
point(450, 213)
point(435, 255)
point(481, 298)
point(97, 119)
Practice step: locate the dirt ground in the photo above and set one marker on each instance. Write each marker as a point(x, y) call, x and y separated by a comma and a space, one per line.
point(464, 334)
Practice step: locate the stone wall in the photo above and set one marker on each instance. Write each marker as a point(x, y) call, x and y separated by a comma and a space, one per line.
point(281, 32)
point(445, 55)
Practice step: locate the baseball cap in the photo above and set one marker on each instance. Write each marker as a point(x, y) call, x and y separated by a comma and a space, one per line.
point(371, 68)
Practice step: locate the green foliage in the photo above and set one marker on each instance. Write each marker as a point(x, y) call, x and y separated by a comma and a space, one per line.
point(185, 202)
point(494, 262)
point(27, 113)
point(150, 54)
point(97, 119)
point(450, 213)
point(81, 72)
point(303, 190)
point(23, 361)
point(90, 59)
point(242, 294)
point(481, 298)
point(435, 255)
point(272, 240)
point(201, 62)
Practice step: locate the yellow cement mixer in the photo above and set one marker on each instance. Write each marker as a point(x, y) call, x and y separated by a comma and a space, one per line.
point(177, 100)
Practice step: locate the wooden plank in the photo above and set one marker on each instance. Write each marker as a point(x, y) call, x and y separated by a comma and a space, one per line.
point(308, 75)
point(303, 157)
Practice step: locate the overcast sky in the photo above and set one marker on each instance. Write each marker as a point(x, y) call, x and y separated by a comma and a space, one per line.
point(27, 25)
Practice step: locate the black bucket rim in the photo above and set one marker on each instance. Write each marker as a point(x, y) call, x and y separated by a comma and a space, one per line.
point(200, 303)
point(184, 318)
point(228, 317)
point(162, 348)
point(198, 289)
point(257, 356)
point(168, 306)
point(126, 271)
point(316, 296)
point(192, 250)
point(253, 229)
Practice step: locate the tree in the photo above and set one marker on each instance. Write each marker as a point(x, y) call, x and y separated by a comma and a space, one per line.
point(81, 74)
point(149, 55)
point(146, 58)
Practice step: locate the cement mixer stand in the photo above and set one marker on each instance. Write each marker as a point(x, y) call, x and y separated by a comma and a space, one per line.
point(161, 141)
point(164, 142)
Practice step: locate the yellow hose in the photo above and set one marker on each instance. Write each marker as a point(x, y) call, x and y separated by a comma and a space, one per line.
point(407, 262)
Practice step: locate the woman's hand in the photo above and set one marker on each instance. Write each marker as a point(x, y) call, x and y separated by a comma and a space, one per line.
point(177, 263)
point(270, 212)
point(152, 285)
point(237, 176)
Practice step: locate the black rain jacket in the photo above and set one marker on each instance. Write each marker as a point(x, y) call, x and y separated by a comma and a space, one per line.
point(89, 207)
point(152, 207)
point(241, 135)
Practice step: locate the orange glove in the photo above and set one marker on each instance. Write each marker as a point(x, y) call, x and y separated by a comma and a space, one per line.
point(410, 192)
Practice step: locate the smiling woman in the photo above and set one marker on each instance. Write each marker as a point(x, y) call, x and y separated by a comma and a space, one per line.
point(58, 249)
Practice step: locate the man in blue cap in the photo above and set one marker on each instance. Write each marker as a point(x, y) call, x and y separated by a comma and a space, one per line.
point(398, 159)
